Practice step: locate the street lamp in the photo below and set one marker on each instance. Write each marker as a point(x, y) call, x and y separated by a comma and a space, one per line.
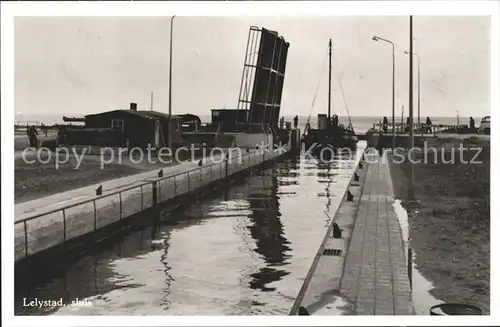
point(411, 139)
point(170, 87)
point(377, 38)
point(418, 96)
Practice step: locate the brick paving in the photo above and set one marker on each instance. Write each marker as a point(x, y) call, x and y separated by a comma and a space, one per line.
point(375, 275)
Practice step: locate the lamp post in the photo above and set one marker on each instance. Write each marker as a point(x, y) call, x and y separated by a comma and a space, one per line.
point(170, 87)
point(412, 143)
point(377, 38)
point(418, 95)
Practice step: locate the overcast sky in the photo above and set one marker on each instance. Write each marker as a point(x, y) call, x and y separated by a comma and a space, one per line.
point(79, 65)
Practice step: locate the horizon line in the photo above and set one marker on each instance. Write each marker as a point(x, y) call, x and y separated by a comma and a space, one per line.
point(209, 114)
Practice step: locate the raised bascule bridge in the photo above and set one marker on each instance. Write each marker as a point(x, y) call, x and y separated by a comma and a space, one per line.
point(256, 117)
point(52, 221)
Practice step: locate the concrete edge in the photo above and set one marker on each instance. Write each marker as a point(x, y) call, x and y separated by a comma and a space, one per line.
point(108, 230)
point(303, 289)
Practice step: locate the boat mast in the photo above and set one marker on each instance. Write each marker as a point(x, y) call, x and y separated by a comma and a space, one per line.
point(329, 79)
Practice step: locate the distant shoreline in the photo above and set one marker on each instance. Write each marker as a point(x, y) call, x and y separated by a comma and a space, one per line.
point(23, 117)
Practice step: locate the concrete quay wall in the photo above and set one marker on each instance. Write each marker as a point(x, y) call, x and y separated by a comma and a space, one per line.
point(82, 212)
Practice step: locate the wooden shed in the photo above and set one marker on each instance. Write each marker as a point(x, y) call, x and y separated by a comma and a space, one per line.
point(140, 127)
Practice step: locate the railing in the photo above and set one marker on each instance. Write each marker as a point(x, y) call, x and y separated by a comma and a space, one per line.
point(24, 123)
point(42, 231)
point(422, 129)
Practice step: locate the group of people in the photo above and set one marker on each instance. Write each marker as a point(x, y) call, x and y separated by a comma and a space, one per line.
point(427, 126)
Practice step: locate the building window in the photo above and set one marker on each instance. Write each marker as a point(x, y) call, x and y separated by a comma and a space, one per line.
point(118, 124)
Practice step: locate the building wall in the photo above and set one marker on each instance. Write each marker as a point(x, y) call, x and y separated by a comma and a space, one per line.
point(138, 130)
point(176, 132)
point(229, 116)
point(252, 140)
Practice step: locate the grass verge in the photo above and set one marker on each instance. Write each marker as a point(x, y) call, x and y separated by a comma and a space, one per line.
point(39, 178)
point(450, 226)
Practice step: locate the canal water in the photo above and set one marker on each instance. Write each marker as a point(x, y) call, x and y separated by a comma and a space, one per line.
point(241, 251)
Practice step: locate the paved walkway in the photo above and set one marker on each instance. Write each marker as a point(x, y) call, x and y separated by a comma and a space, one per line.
point(375, 277)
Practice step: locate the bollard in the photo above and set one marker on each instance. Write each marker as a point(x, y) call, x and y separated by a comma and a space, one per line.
point(455, 309)
point(350, 197)
point(337, 232)
point(303, 312)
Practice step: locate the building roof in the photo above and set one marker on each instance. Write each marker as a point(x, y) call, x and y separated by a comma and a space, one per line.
point(229, 109)
point(189, 118)
point(141, 113)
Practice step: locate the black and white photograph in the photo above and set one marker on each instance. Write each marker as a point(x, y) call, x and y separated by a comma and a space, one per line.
point(249, 159)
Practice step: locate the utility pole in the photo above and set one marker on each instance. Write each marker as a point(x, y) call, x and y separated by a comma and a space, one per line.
point(411, 140)
point(329, 80)
point(393, 96)
point(418, 83)
point(402, 114)
point(151, 101)
point(418, 91)
point(170, 86)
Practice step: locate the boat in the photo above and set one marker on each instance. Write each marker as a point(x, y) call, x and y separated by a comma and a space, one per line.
point(329, 132)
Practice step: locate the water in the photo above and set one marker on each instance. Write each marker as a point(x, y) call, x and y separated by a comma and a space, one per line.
point(421, 287)
point(243, 251)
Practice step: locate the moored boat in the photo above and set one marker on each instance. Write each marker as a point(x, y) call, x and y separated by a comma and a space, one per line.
point(329, 133)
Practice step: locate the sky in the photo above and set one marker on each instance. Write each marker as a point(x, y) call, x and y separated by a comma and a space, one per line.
point(83, 65)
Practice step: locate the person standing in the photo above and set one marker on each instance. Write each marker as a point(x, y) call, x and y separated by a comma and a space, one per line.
point(32, 135)
point(296, 121)
point(472, 123)
point(385, 124)
point(428, 124)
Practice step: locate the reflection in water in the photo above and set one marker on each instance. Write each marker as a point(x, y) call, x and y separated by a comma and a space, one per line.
point(165, 303)
point(244, 250)
point(267, 231)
